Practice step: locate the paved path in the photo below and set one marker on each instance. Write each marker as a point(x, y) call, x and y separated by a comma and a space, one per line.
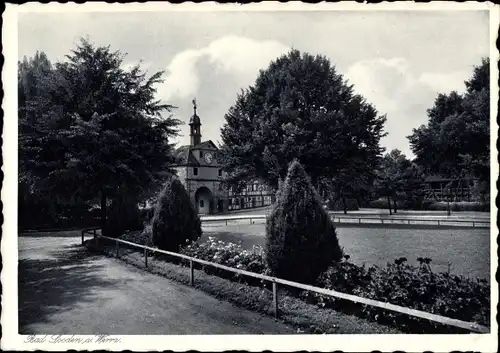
point(63, 289)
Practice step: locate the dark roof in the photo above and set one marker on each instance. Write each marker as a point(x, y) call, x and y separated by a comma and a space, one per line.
point(195, 119)
point(185, 156)
point(206, 144)
point(437, 178)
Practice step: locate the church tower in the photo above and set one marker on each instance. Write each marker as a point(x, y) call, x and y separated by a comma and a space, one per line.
point(195, 126)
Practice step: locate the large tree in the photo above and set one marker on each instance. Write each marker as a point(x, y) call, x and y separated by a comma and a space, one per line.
point(93, 130)
point(456, 141)
point(301, 108)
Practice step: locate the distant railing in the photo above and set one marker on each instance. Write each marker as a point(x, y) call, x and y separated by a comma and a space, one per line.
point(468, 326)
point(476, 223)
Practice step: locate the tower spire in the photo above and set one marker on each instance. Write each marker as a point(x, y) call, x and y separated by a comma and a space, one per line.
point(195, 126)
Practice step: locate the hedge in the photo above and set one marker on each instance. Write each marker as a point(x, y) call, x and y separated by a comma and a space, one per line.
point(431, 205)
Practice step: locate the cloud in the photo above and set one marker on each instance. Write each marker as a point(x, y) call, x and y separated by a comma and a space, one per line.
point(381, 81)
point(387, 83)
point(235, 55)
point(182, 79)
point(144, 65)
point(444, 83)
point(395, 89)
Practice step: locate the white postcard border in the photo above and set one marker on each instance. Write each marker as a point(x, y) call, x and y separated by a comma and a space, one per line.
point(11, 340)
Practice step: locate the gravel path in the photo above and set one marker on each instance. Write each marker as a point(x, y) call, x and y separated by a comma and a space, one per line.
point(65, 290)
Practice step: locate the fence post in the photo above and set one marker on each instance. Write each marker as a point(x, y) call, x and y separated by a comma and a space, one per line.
point(359, 219)
point(408, 221)
point(146, 258)
point(191, 270)
point(438, 222)
point(95, 232)
point(381, 220)
point(117, 250)
point(473, 224)
point(226, 221)
point(82, 235)
point(275, 299)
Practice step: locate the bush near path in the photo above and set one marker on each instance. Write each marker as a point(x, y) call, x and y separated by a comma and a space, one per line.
point(301, 240)
point(175, 221)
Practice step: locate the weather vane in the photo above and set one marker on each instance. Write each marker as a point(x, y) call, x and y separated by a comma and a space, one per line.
point(194, 105)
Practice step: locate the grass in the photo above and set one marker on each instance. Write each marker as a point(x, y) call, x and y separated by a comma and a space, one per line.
point(304, 317)
point(465, 250)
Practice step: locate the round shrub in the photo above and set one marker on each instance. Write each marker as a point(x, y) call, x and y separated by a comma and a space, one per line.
point(175, 221)
point(301, 238)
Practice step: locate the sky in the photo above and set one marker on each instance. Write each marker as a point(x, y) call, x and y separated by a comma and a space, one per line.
point(398, 60)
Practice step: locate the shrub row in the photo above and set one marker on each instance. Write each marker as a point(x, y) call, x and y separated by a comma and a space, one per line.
point(431, 205)
point(460, 206)
point(416, 287)
point(338, 205)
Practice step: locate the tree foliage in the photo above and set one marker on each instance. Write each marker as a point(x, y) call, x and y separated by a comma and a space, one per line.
point(399, 179)
point(301, 238)
point(456, 141)
point(89, 129)
point(301, 108)
point(175, 221)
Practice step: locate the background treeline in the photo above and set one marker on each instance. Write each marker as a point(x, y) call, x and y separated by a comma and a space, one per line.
point(301, 108)
point(95, 141)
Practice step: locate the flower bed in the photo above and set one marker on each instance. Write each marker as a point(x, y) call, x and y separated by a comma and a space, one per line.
point(416, 287)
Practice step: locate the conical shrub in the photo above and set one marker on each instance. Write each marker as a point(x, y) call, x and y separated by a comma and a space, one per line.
point(175, 221)
point(301, 239)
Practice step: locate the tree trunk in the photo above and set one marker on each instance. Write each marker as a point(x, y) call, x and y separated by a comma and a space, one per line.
point(389, 204)
point(103, 211)
point(344, 203)
point(395, 207)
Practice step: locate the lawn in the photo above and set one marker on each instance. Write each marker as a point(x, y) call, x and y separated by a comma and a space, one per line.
point(466, 250)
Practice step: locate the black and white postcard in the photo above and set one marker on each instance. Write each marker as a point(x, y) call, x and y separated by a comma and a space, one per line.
point(268, 176)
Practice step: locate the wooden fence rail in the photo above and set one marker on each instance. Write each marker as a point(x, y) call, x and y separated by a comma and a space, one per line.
point(468, 326)
point(477, 223)
point(91, 231)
